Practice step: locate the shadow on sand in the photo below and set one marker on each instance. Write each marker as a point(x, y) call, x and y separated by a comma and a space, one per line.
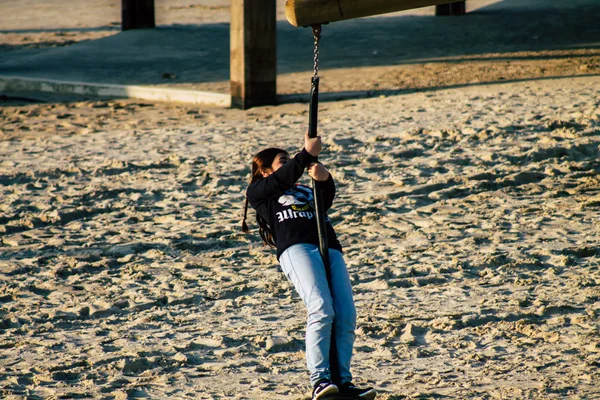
point(194, 54)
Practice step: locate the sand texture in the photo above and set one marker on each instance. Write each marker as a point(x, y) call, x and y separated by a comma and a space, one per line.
point(470, 217)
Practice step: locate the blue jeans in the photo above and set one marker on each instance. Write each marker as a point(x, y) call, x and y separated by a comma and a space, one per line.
point(303, 266)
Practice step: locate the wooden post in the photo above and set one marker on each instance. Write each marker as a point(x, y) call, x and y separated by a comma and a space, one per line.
point(137, 14)
point(458, 8)
point(253, 57)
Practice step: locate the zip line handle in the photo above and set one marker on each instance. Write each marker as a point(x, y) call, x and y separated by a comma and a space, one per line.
point(313, 111)
point(313, 118)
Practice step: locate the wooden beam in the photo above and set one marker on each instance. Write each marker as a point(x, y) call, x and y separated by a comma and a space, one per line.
point(458, 8)
point(253, 56)
point(137, 14)
point(311, 12)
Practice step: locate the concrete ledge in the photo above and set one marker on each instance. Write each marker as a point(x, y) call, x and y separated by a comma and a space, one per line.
point(26, 84)
point(20, 84)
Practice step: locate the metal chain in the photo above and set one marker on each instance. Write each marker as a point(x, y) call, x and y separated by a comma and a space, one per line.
point(317, 35)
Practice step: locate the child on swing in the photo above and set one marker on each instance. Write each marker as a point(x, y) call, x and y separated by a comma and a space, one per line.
point(287, 221)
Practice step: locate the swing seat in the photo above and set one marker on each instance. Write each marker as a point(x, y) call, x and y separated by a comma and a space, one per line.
point(313, 12)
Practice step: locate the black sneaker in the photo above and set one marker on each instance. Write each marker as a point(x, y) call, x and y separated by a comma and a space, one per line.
point(324, 388)
point(349, 389)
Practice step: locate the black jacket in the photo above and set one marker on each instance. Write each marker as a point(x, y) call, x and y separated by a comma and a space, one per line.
point(289, 207)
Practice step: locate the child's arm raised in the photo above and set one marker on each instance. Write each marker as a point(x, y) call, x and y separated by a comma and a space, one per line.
point(286, 176)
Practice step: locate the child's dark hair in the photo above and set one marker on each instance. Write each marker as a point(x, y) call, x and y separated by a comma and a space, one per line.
point(262, 162)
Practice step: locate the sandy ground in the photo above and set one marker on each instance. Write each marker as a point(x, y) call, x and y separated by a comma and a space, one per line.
point(470, 217)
